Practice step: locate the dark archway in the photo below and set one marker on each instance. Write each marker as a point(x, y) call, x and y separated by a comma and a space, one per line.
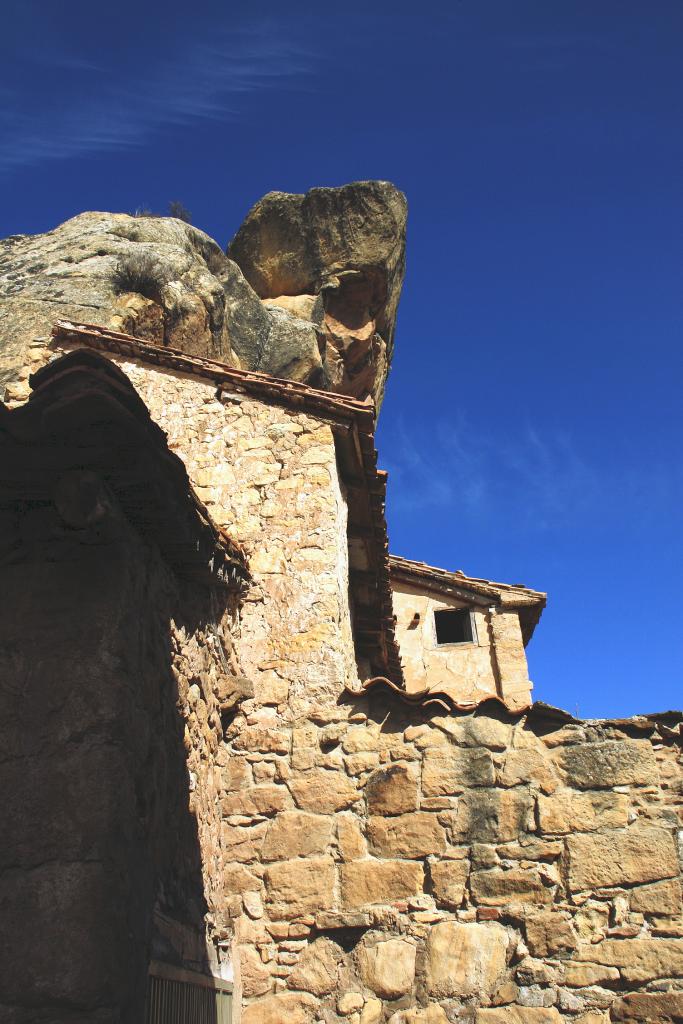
point(106, 556)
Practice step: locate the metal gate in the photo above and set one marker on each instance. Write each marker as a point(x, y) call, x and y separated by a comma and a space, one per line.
point(181, 997)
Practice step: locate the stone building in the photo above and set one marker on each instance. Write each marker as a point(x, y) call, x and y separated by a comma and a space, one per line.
point(258, 768)
point(462, 636)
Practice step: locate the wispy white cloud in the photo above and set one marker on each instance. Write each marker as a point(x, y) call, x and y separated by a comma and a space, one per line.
point(531, 478)
point(121, 107)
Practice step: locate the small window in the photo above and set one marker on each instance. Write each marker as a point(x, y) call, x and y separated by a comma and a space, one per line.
point(453, 626)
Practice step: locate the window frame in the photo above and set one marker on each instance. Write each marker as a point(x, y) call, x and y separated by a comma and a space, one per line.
point(473, 642)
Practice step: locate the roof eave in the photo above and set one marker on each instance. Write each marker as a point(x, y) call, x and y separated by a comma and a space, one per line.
point(511, 597)
point(353, 426)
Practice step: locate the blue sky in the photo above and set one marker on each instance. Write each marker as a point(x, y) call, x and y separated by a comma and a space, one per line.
point(533, 422)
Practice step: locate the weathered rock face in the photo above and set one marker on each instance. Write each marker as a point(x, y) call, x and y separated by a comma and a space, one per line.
point(156, 278)
point(165, 281)
point(336, 256)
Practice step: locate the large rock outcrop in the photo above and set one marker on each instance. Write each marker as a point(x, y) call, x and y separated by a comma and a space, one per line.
point(337, 257)
point(154, 277)
point(163, 280)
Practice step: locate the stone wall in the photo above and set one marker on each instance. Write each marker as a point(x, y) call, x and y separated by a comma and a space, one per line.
point(412, 867)
point(268, 475)
point(101, 864)
point(493, 665)
point(378, 863)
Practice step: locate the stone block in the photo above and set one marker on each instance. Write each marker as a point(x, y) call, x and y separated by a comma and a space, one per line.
point(316, 970)
point(639, 960)
point(264, 562)
point(361, 737)
point(568, 811)
point(334, 920)
point(257, 738)
point(393, 790)
point(372, 1012)
point(298, 887)
point(317, 456)
point(489, 816)
point(254, 975)
point(264, 771)
point(260, 473)
point(623, 762)
point(303, 758)
point(530, 848)
point(506, 993)
point(236, 878)
point(297, 834)
point(477, 731)
point(620, 858)
point(446, 770)
point(349, 1002)
point(580, 975)
point(243, 844)
point(375, 881)
point(529, 765)
point(235, 774)
point(534, 972)
point(496, 886)
point(256, 800)
point(323, 791)
point(304, 736)
point(433, 1014)
point(661, 898)
point(292, 1007)
point(465, 959)
point(363, 761)
point(519, 1015)
point(649, 1006)
point(350, 839)
point(408, 835)
point(448, 879)
point(388, 967)
point(253, 905)
point(231, 690)
point(549, 934)
point(591, 919)
point(270, 689)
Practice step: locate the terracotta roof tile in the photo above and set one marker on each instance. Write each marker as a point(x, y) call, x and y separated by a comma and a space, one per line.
point(530, 603)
